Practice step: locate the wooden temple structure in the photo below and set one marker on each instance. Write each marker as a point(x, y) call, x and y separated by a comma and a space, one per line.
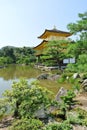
point(50, 35)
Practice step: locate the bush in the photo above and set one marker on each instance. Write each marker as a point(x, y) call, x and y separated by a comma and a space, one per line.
point(27, 124)
point(79, 66)
point(5, 60)
point(71, 68)
point(84, 123)
point(82, 114)
point(26, 99)
point(58, 126)
point(65, 77)
point(3, 108)
point(75, 120)
point(79, 118)
point(84, 76)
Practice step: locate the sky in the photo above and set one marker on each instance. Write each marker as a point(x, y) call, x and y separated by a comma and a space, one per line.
point(22, 21)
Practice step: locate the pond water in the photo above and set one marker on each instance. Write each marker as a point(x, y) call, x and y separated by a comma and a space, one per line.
point(15, 72)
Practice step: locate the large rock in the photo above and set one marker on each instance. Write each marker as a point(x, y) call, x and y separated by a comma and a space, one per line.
point(76, 75)
point(54, 77)
point(43, 76)
point(84, 85)
point(79, 127)
point(48, 76)
point(40, 113)
point(62, 92)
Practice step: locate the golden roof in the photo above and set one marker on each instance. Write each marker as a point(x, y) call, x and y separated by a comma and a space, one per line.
point(41, 45)
point(54, 32)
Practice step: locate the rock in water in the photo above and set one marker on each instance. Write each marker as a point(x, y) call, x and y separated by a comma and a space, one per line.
point(43, 76)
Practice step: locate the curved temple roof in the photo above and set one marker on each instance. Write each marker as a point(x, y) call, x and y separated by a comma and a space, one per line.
point(41, 45)
point(54, 32)
point(47, 33)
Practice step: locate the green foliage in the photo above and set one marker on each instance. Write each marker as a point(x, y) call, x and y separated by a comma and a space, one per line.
point(23, 60)
point(79, 48)
point(68, 99)
point(74, 120)
point(82, 59)
point(65, 77)
point(66, 104)
point(61, 80)
point(2, 61)
point(5, 60)
point(27, 124)
point(59, 126)
point(71, 68)
point(80, 25)
point(54, 51)
point(26, 98)
point(84, 123)
point(79, 117)
point(49, 62)
point(84, 76)
point(80, 66)
point(23, 55)
point(3, 108)
point(82, 114)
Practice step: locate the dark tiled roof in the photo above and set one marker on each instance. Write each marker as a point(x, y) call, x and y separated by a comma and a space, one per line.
point(56, 30)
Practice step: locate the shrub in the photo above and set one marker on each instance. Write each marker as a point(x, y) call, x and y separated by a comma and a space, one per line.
point(65, 77)
point(68, 99)
point(71, 68)
point(79, 66)
point(26, 99)
point(84, 76)
point(3, 108)
point(27, 124)
point(58, 126)
point(82, 114)
point(79, 118)
point(74, 120)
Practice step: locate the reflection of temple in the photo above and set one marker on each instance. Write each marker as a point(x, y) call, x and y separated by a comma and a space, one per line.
point(50, 35)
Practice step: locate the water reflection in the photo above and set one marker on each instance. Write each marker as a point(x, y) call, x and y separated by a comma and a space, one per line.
point(6, 84)
point(14, 73)
point(18, 71)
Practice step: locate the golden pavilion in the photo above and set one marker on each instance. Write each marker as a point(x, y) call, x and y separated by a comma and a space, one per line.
point(50, 35)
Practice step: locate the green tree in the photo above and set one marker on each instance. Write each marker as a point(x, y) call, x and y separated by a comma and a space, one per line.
point(55, 52)
point(26, 99)
point(2, 61)
point(80, 29)
point(8, 52)
point(24, 55)
point(67, 103)
point(79, 48)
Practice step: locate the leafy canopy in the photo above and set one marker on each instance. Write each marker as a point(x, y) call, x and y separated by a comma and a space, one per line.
point(26, 99)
